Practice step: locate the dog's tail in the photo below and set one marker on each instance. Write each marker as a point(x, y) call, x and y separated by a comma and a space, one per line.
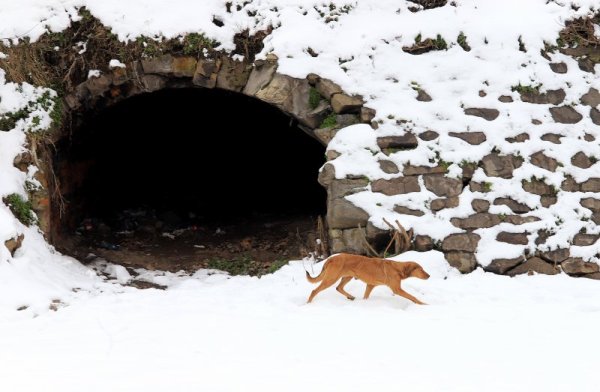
point(319, 277)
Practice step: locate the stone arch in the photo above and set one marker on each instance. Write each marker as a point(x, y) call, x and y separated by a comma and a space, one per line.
point(308, 102)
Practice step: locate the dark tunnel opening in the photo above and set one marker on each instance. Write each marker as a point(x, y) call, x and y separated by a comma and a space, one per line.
point(202, 172)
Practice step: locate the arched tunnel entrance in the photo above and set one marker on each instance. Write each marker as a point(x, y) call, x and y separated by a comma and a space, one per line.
point(179, 178)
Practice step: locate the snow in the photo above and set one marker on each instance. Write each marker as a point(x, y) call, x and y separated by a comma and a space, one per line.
point(219, 333)
point(114, 63)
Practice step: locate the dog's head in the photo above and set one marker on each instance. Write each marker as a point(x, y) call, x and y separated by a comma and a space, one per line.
point(416, 271)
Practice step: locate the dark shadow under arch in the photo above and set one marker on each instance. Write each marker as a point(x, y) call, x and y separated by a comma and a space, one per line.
point(181, 158)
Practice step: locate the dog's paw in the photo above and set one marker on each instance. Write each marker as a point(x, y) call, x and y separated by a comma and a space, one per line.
point(351, 298)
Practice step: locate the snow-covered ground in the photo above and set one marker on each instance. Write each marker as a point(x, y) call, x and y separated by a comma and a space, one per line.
point(481, 332)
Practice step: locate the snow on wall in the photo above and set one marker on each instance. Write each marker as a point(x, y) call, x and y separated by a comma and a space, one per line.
point(359, 45)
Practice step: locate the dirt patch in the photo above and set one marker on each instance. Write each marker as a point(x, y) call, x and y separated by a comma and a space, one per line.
point(138, 239)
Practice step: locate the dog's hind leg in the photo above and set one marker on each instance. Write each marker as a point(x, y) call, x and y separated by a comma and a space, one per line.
point(324, 284)
point(368, 290)
point(340, 287)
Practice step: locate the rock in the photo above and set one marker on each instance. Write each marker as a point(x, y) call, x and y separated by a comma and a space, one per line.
point(519, 219)
point(468, 169)
point(591, 204)
point(184, 66)
point(388, 167)
point(581, 239)
point(586, 65)
point(570, 185)
point(595, 276)
point(342, 214)
point(477, 221)
point(343, 103)
point(410, 170)
point(428, 135)
point(595, 116)
point(119, 76)
point(326, 175)
point(547, 201)
point(443, 186)
point(552, 138)
point(591, 98)
point(349, 240)
point(153, 83)
point(422, 96)
point(565, 115)
point(396, 186)
point(404, 142)
point(487, 114)
point(14, 244)
point(407, 211)
point(513, 238)
point(501, 266)
point(423, 243)
point(581, 160)
point(556, 256)
point(325, 134)
point(288, 94)
point(538, 187)
point(534, 264)
point(330, 155)
point(162, 65)
point(261, 76)
point(559, 68)
point(535, 121)
point(440, 204)
point(479, 187)
point(339, 188)
point(588, 137)
point(515, 207)
point(462, 261)
point(480, 205)
point(314, 117)
point(473, 138)
point(539, 159)
point(576, 266)
point(591, 185)
point(495, 165)
point(98, 86)
point(505, 99)
point(342, 120)
point(312, 78)
point(327, 88)
point(206, 74)
point(463, 242)
point(520, 138)
point(367, 114)
point(554, 97)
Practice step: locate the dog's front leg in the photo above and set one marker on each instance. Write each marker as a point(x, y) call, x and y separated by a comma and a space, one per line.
point(406, 295)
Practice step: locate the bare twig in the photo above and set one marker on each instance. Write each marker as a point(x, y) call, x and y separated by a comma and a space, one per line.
point(369, 247)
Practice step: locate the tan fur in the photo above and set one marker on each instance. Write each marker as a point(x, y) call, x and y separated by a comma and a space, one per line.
point(372, 271)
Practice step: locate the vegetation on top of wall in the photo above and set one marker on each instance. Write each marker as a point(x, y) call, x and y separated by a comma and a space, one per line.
point(330, 121)
point(48, 103)
point(314, 98)
point(578, 32)
point(21, 208)
point(62, 60)
point(527, 88)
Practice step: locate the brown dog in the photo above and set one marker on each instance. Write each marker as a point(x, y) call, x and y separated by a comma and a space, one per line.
point(372, 271)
